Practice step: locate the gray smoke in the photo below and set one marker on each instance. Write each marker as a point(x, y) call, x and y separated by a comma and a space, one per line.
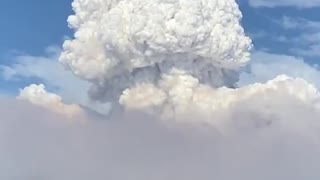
point(250, 145)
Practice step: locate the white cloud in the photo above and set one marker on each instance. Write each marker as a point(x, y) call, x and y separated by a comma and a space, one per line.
point(276, 3)
point(313, 51)
point(51, 73)
point(302, 36)
point(299, 23)
point(306, 39)
point(265, 66)
point(309, 44)
point(38, 95)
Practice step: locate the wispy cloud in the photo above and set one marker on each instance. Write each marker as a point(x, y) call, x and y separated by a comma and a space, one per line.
point(47, 69)
point(303, 38)
point(299, 23)
point(53, 75)
point(265, 66)
point(276, 3)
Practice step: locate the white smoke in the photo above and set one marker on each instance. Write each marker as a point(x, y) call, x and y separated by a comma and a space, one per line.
point(37, 94)
point(266, 137)
point(167, 48)
point(176, 58)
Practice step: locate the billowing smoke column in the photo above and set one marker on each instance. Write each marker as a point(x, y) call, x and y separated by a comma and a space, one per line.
point(156, 54)
point(176, 58)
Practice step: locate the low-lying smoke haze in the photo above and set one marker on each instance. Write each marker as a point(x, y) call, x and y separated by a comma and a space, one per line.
point(248, 144)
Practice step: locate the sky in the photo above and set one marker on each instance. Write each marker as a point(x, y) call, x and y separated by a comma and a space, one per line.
point(31, 26)
point(158, 89)
point(277, 27)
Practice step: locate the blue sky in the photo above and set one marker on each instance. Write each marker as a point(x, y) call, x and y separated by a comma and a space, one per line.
point(262, 22)
point(30, 27)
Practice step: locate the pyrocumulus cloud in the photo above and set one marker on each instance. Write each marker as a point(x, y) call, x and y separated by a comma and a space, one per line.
point(171, 66)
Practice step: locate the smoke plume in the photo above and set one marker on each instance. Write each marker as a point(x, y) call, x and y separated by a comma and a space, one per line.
point(172, 66)
point(155, 55)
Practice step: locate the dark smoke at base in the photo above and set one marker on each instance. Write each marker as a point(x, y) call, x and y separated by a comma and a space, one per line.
point(36, 144)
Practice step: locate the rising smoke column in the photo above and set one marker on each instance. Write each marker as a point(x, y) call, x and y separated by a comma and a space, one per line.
point(172, 57)
point(154, 54)
point(259, 132)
